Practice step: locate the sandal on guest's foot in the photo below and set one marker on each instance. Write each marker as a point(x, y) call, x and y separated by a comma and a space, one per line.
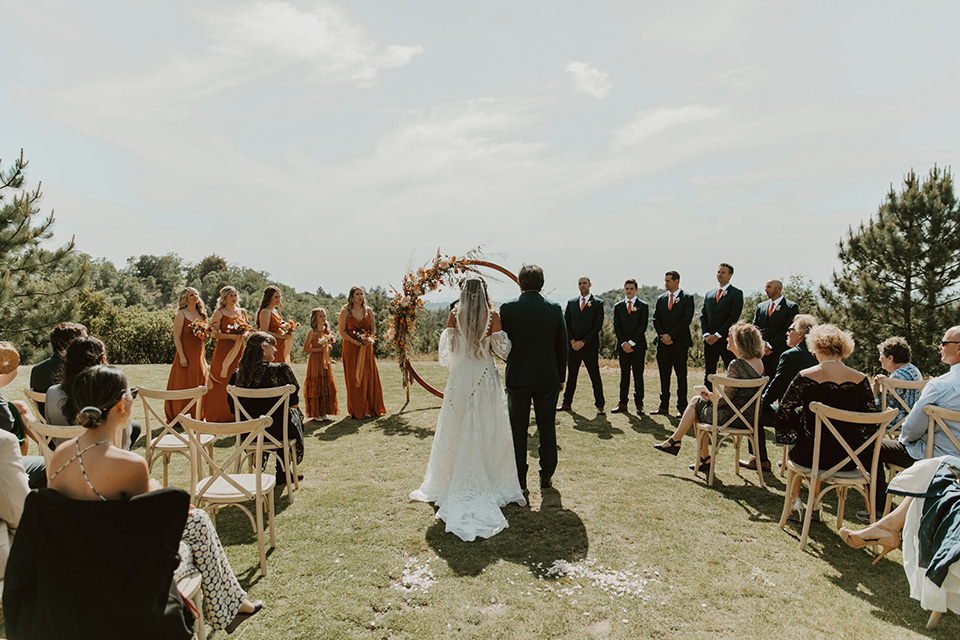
point(671, 446)
point(705, 464)
point(243, 615)
point(872, 535)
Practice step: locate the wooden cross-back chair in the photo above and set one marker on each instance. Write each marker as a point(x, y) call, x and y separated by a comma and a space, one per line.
point(47, 434)
point(889, 388)
point(740, 425)
point(222, 488)
point(170, 441)
point(861, 479)
point(284, 448)
point(36, 399)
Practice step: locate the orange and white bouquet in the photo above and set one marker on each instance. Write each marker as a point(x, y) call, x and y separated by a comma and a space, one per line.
point(201, 328)
point(326, 340)
point(288, 326)
point(239, 326)
point(364, 337)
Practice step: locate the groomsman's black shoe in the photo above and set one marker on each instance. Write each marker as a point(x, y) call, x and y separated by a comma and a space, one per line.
point(545, 483)
point(640, 410)
point(564, 407)
point(679, 415)
point(601, 412)
point(661, 411)
point(620, 408)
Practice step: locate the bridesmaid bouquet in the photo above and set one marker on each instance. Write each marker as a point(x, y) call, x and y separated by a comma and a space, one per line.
point(326, 340)
point(201, 329)
point(239, 326)
point(365, 337)
point(288, 326)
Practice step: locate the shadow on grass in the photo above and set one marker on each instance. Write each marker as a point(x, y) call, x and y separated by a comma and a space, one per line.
point(344, 427)
point(397, 425)
point(534, 539)
point(599, 425)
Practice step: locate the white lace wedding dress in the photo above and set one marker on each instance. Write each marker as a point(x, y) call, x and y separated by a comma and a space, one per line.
point(472, 471)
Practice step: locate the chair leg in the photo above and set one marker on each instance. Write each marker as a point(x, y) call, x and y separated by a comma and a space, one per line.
point(270, 514)
point(783, 463)
point(166, 463)
point(756, 447)
point(199, 626)
point(934, 619)
point(293, 463)
point(286, 470)
point(736, 458)
point(808, 513)
point(841, 504)
point(260, 532)
point(714, 446)
point(793, 480)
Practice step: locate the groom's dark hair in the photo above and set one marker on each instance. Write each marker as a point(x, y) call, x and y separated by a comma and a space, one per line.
point(530, 277)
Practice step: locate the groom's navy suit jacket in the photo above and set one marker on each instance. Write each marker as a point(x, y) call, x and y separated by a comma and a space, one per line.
point(536, 329)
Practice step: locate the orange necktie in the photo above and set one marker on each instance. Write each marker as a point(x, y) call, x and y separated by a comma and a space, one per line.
point(670, 305)
point(629, 307)
point(581, 304)
point(719, 293)
point(770, 311)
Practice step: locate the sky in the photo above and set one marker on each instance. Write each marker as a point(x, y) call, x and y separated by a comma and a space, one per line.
point(334, 144)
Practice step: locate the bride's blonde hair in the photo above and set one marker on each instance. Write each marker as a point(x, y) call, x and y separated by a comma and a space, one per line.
point(473, 315)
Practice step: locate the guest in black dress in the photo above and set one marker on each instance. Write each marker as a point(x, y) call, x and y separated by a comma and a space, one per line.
point(834, 384)
point(747, 346)
point(257, 370)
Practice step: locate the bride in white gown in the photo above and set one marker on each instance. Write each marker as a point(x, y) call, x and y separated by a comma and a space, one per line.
point(472, 471)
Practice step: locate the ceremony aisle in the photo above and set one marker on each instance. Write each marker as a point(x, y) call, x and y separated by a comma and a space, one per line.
point(630, 544)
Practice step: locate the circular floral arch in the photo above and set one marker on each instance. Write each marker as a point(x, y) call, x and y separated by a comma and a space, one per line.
point(443, 271)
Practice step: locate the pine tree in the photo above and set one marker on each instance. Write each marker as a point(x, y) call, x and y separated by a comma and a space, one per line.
point(40, 286)
point(900, 272)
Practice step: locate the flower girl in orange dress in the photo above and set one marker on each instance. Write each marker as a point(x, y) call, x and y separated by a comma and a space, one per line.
point(320, 390)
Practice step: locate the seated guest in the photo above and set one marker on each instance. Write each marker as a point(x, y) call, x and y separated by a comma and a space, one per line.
point(81, 353)
point(258, 370)
point(13, 491)
point(944, 392)
point(14, 414)
point(792, 361)
point(45, 374)
point(927, 521)
point(747, 346)
point(104, 472)
point(834, 384)
point(895, 360)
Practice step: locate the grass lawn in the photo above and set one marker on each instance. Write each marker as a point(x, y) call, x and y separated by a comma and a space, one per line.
point(645, 548)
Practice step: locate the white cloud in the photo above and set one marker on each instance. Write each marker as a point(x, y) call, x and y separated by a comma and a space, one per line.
point(587, 79)
point(647, 123)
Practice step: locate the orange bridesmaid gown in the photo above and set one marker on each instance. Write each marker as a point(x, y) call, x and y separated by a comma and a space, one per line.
point(364, 394)
point(283, 346)
point(215, 407)
point(320, 390)
point(193, 375)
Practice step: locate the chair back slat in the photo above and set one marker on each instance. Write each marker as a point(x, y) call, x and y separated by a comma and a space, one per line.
point(826, 415)
point(936, 419)
point(251, 431)
point(35, 398)
point(155, 411)
point(722, 384)
point(45, 434)
point(282, 394)
point(888, 389)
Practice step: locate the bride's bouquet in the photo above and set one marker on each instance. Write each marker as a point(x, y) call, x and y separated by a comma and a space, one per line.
point(201, 329)
point(239, 327)
point(288, 326)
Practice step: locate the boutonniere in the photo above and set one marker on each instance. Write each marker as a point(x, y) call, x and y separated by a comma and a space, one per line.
point(589, 304)
point(723, 294)
point(777, 308)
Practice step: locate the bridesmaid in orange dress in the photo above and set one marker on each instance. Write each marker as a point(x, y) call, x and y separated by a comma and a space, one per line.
point(364, 394)
point(320, 390)
point(226, 355)
point(269, 320)
point(189, 368)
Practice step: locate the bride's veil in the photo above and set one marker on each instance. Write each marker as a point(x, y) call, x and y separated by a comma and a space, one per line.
point(473, 315)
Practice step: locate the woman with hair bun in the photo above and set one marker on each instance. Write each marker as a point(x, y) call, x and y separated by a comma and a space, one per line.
point(189, 368)
point(229, 324)
point(89, 467)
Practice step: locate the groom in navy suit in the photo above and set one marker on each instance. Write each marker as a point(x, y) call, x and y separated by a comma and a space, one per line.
point(535, 369)
point(721, 309)
point(584, 319)
point(672, 315)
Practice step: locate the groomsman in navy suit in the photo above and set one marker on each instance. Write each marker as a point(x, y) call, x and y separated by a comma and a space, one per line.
point(773, 317)
point(721, 309)
point(672, 315)
point(630, 317)
point(584, 318)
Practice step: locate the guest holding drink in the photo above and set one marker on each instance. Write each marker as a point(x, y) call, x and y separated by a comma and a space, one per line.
point(356, 327)
point(320, 390)
point(270, 321)
point(189, 368)
point(229, 324)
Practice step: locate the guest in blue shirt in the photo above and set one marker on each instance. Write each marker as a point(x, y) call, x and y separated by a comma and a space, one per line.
point(895, 358)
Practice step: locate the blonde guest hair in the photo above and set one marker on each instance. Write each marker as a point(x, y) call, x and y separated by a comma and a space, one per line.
point(830, 340)
point(182, 304)
point(748, 339)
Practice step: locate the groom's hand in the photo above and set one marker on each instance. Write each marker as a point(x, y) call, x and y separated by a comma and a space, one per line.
point(627, 347)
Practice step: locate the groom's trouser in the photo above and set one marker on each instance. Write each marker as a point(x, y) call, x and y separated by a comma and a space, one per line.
point(590, 356)
point(544, 400)
point(632, 362)
point(671, 357)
